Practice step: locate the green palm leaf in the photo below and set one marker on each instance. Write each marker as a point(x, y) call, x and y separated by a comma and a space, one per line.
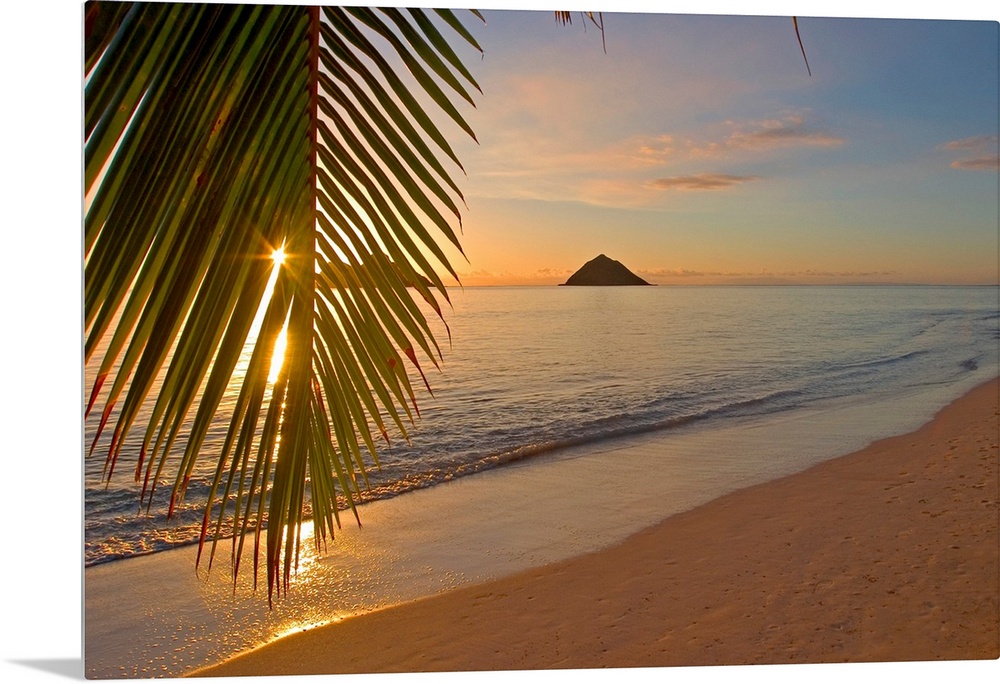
point(215, 134)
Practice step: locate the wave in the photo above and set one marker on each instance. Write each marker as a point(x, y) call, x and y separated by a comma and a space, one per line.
point(621, 426)
point(595, 433)
point(874, 364)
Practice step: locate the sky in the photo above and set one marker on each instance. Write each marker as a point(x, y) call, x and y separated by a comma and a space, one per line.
point(698, 149)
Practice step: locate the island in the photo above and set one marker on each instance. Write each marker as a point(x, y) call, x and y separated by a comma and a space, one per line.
point(602, 270)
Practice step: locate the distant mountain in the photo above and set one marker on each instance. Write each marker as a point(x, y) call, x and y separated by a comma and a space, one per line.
point(602, 270)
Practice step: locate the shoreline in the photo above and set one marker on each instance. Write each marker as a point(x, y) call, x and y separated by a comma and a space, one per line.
point(887, 553)
point(153, 615)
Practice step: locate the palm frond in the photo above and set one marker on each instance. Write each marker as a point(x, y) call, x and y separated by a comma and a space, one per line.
point(215, 134)
point(596, 18)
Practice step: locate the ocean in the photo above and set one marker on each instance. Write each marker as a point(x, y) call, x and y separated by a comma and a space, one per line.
point(534, 371)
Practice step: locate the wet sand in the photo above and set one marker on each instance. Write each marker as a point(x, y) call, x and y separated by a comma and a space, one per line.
point(887, 554)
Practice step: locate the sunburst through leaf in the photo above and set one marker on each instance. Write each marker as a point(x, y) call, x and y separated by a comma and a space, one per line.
point(213, 131)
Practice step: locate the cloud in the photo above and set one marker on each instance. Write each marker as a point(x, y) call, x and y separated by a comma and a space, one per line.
point(662, 273)
point(790, 130)
point(978, 164)
point(975, 143)
point(837, 274)
point(553, 272)
point(784, 136)
point(984, 147)
point(532, 154)
point(541, 276)
point(654, 151)
point(676, 276)
point(700, 181)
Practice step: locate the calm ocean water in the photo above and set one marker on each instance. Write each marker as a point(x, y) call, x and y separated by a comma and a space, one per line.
point(532, 370)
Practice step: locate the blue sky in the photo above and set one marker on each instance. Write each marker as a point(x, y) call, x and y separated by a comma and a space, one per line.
point(698, 149)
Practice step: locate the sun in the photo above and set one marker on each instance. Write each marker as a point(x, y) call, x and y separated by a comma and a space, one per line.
point(278, 256)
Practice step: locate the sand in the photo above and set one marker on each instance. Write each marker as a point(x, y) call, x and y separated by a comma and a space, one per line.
point(888, 554)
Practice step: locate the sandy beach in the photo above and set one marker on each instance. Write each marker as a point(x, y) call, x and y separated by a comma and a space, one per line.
point(886, 554)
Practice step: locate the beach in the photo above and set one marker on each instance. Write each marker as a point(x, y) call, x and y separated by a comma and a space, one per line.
point(889, 553)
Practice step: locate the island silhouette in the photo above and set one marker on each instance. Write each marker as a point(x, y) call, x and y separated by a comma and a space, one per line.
point(603, 270)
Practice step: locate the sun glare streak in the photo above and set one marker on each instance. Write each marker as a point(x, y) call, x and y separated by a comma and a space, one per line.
point(278, 354)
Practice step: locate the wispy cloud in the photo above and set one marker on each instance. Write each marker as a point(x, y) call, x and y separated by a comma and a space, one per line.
point(788, 130)
point(541, 276)
point(654, 151)
point(701, 181)
point(984, 149)
point(975, 143)
point(664, 273)
point(552, 273)
point(676, 276)
point(537, 149)
point(978, 164)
